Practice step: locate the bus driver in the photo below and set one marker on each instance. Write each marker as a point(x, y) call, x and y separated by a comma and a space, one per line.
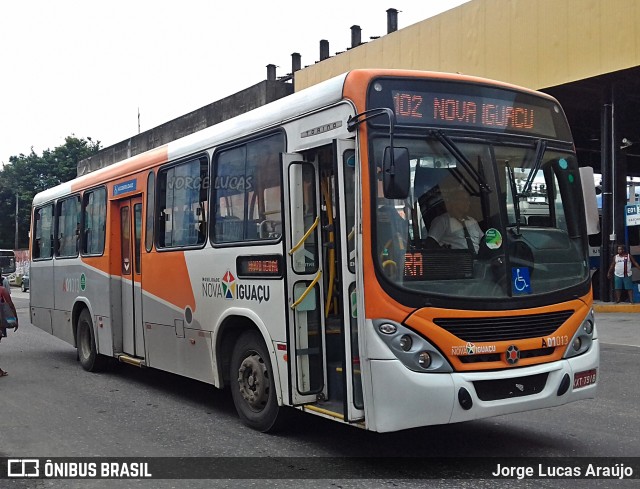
point(455, 228)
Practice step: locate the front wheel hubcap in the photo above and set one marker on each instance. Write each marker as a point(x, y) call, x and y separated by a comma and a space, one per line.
point(253, 381)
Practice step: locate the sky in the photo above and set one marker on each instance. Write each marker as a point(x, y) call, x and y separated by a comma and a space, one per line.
point(87, 67)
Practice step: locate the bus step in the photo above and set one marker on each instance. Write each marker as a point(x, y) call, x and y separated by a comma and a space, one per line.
point(137, 362)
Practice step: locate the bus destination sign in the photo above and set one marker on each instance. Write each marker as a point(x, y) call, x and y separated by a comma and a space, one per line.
point(467, 111)
point(266, 266)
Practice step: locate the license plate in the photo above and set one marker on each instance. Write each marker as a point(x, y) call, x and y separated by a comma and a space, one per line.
point(583, 379)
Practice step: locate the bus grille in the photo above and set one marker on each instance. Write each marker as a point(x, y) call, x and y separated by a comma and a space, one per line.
point(504, 328)
point(495, 357)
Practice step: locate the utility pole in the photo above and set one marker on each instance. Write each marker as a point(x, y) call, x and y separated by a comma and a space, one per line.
point(15, 245)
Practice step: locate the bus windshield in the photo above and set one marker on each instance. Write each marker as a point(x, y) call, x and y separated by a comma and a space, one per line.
point(484, 218)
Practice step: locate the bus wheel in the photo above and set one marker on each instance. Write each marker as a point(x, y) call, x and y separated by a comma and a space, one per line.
point(87, 351)
point(252, 384)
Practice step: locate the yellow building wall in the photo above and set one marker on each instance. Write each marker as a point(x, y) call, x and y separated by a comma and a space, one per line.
point(533, 43)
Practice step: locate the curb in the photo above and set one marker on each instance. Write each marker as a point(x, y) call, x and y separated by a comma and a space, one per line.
point(613, 307)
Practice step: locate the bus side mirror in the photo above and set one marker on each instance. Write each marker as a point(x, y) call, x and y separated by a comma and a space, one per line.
point(395, 173)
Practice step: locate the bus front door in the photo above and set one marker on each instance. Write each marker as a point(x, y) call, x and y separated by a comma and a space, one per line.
point(130, 216)
point(307, 360)
point(345, 303)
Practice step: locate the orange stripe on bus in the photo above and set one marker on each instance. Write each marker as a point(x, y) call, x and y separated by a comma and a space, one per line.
point(378, 303)
point(165, 275)
point(356, 80)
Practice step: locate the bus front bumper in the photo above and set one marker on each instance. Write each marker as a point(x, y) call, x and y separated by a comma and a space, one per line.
point(403, 399)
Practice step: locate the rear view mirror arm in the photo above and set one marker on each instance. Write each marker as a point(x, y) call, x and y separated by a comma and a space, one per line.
point(354, 121)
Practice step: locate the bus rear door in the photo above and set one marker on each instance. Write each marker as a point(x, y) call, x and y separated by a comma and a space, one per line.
point(130, 226)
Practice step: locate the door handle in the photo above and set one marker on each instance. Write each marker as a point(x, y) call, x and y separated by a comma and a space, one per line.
point(307, 290)
point(304, 238)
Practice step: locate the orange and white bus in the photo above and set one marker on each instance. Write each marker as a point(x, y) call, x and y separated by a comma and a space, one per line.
point(286, 254)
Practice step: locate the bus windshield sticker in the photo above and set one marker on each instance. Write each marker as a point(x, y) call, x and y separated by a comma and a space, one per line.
point(520, 280)
point(493, 239)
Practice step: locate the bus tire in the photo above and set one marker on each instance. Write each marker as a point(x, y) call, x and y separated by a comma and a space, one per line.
point(252, 384)
point(88, 355)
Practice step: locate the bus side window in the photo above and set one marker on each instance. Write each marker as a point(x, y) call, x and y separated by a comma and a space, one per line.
point(181, 204)
point(246, 196)
point(68, 227)
point(151, 204)
point(93, 232)
point(43, 232)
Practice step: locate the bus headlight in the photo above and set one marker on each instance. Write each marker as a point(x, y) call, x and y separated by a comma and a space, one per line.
point(387, 328)
point(406, 342)
point(582, 340)
point(577, 343)
point(424, 359)
point(412, 349)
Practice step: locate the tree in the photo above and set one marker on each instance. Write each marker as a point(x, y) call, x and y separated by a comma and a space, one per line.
point(26, 175)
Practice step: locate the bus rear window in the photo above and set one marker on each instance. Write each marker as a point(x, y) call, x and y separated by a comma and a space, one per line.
point(7, 261)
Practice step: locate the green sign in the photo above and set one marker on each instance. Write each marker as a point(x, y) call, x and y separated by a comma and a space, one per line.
point(493, 239)
point(354, 304)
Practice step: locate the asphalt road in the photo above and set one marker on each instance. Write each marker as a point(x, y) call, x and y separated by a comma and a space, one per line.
point(50, 407)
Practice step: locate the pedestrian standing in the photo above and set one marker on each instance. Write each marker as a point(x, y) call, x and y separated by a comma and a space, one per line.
point(5, 284)
point(620, 270)
point(8, 317)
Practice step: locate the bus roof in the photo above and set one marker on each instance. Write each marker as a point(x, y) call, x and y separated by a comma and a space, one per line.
point(263, 117)
point(323, 94)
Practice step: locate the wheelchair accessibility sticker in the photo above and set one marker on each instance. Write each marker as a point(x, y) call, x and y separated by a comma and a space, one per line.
point(520, 282)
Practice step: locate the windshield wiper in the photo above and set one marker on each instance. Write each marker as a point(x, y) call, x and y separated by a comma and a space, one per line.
point(516, 197)
point(541, 147)
point(448, 143)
